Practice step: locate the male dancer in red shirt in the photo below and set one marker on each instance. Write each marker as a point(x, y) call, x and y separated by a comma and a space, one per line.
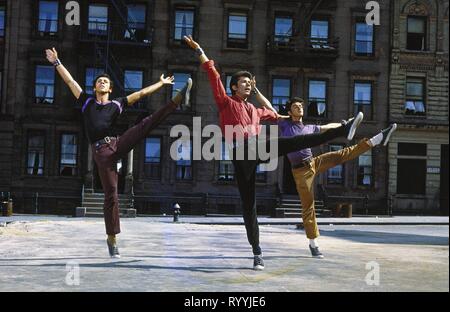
point(237, 111)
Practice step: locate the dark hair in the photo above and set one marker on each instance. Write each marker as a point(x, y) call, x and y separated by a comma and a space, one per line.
point(111, 82)
point(235, 78)
point(292, 101)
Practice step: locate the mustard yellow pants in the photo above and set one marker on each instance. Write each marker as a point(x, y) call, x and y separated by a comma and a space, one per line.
point(304, 180)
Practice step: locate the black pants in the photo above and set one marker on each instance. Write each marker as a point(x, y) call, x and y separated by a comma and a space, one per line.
point(245, 172)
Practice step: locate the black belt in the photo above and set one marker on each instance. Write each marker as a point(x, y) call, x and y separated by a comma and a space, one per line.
point(302, 164)
point(105, 140)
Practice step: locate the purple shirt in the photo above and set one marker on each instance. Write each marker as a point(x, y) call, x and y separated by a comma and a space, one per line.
point(290, 128)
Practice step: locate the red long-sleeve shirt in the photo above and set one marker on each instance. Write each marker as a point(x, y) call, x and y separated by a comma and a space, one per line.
point(234, 111)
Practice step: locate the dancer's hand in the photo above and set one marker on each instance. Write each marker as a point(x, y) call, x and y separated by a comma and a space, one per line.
point(253, 83)
point(190, 42)
point(167, 80)
point(52, 55)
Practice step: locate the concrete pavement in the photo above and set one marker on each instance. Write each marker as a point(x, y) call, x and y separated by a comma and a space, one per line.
point(44, 253)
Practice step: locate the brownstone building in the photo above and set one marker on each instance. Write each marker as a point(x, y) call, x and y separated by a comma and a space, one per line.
point(418, 92)
point(322, 51)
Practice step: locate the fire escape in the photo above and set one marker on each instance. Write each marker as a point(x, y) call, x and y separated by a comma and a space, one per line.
point(107, 36)
point(301, 46)
point(108, 42)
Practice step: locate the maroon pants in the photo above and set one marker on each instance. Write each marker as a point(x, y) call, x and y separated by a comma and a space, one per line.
point(107, 155)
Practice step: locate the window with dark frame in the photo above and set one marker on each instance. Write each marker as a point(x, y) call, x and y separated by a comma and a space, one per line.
point(335, 175)
point(48, 17)
point(226, 168)
point(98, 20)
point(91, 73)
point(44, 84)
point(415, 97)
point(227, 85)
point(184, 162)
point(416, 36)
point(2, 21)
point(68, 156)
point(411, 168)
point(136, 20)
point(184, 23)
point(317, 98)
point(319, 34)
point(362, 98)
point(133, 80)
point(152, 162)
point(283, 29)
point(364, 39)
point(261, 174)
point(237, 30)
point(35, 153)
point(365, 169)
point(281, 92)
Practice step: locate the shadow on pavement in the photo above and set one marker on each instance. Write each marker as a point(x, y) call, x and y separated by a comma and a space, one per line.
point(373, 237)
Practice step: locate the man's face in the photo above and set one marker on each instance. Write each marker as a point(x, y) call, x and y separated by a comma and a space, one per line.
point(103, 85)
point(296, 110)
point(243, 88)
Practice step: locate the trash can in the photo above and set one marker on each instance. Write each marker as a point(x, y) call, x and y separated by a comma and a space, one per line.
point(9, 208)
point(3, 207)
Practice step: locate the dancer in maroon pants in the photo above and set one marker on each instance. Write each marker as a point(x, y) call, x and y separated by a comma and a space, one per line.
point(100, 114)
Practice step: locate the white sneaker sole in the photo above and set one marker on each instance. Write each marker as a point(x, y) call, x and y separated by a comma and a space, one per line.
point(394, 127)
point(258, 268)
point(355, 125)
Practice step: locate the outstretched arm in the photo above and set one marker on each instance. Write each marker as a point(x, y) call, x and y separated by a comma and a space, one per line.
point(220, 95)
point(52, 57)
point(136, 96)
point(264, 101)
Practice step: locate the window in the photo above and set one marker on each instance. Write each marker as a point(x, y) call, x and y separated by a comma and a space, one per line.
point(184, 23)
point(335, 175)
point(152, 163)
point(237, 30)
point(227, 85)
point(48, 17)
point(68, 162)
point(184, 164)
point(261, 174)
point(180, 81)
point(365, 174)
point(226, 169)
point(133, 83)
point(411, 168)
point(2, 21)
point(45, 84)
point(98, 20)
point(91, 73)
point(319, 34)
point(283, 29)
point(415, 95)
point(364, 39)
point(281, 92)
point(362, 98)
point(35, 158)
point(317, 100)
point(416, 37)
point(136, 16)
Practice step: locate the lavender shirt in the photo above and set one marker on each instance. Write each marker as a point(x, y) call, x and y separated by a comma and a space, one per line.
point(290, 128)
